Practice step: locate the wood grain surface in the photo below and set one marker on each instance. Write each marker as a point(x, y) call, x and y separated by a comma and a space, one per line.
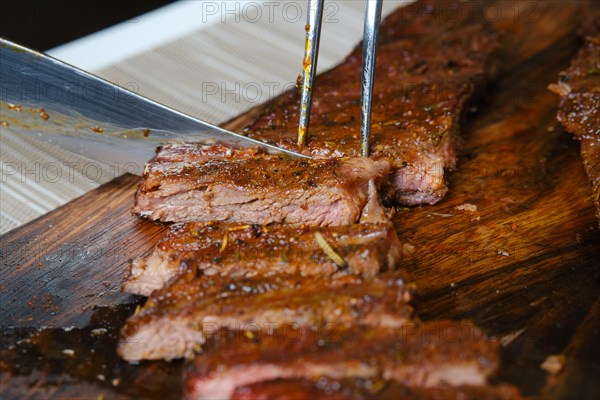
point(524, 264)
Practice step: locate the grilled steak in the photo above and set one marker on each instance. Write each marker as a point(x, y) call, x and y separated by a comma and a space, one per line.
point(579, 109)
point(361, 389)
point(432, 57)
point(175, 320)
point(427, 355)
point(240, 251)
point(189, 182)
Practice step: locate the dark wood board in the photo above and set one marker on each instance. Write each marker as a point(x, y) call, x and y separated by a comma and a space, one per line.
point(525, 266)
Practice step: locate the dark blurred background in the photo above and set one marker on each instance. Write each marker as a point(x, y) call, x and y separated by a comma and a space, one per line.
point(44, 24)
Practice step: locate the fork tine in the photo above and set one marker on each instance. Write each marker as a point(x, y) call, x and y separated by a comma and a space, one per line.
point(311, 51)
point(369, 52)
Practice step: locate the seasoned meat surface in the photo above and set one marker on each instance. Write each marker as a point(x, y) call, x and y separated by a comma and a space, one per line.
point(175, 320)
point(579, 108)
point(579, 88)
point(316, 306)
point(187, 182)
point(432, 58)
point(241, 251)
point(366, 389)
point(424, 355)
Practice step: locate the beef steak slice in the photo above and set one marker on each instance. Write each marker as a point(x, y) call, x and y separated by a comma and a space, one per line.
point(579, 108)
point(242, 251)
point(176, 319)
point(187, 182)
point(423, 355)
point(433, 57)
point(366, 389)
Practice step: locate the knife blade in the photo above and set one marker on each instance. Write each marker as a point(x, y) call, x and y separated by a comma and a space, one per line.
point(55, 102)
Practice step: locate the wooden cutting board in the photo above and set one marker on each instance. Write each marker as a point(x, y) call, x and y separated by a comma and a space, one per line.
point(525, 264)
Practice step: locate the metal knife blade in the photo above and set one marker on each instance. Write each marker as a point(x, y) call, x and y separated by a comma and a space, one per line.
point(55, 102)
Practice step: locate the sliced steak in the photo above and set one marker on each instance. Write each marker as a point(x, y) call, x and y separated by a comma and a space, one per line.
point(242, 251)
point(425, 355)
point(365, 389)
point(579, 108)
point(185, 183)
point(432, 58)
point(175, 320)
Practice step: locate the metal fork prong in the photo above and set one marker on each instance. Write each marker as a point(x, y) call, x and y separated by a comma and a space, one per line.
point(369, 53)
point(311, 52)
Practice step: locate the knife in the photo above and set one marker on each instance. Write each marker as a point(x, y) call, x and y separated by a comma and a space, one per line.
point(55, 102)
